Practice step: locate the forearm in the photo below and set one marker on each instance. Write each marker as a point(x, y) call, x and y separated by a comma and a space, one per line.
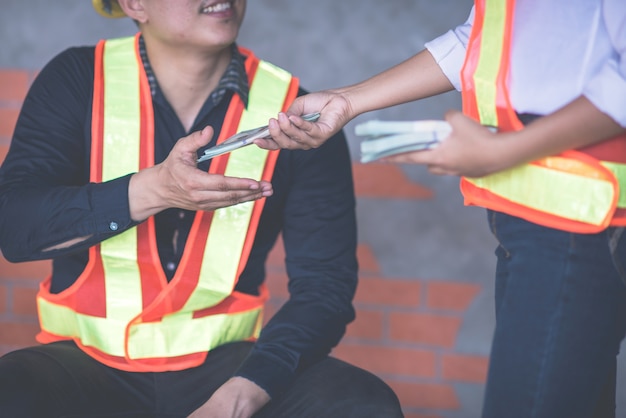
point(416, 78)
point(46, 222)
point(574, 126)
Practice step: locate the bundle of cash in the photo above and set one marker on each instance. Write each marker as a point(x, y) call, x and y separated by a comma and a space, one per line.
point(385, 138)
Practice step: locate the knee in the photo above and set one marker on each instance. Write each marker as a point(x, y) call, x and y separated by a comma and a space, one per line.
point(362, 394)
point(374, 398)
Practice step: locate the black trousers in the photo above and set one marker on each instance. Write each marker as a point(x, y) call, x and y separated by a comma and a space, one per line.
point(59, 380)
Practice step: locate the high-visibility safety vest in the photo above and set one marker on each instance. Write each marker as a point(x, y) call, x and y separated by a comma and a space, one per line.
point(577, 190)
point(121, 310)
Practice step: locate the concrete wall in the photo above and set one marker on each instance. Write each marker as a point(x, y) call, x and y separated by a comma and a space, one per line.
point(425, 303)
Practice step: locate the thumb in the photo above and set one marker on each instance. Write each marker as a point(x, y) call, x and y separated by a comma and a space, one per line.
point(462, 123)
point(196, 140)
point(454, 117)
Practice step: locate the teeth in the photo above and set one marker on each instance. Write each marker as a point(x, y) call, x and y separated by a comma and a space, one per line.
point(220, 7)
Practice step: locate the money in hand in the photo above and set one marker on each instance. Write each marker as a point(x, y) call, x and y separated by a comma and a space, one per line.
point(386, 138)
point(245, 138)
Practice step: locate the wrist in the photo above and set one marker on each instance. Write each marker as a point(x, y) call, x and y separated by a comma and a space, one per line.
point(251, 396)
point(143, 200)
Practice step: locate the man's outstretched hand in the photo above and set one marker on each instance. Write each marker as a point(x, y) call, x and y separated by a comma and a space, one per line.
point(177, 183)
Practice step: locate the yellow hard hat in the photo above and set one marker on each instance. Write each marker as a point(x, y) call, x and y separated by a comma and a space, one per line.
point(108, 8)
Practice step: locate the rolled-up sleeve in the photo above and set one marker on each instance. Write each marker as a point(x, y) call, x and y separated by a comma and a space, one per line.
point(449, 50)
point(607, 88)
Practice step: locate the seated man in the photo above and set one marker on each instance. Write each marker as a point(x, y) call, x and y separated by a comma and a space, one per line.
point(154, 304)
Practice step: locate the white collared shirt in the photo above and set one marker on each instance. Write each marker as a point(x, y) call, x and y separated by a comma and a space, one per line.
point(560, 50)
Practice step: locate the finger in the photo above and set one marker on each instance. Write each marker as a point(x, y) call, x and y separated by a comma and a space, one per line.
point(266, 188)
point(215, 200)
point(266, 143)
point(196, 140)
point(439, 171)
point(209, 192)
point(287, 135)
point(298, 121)
point(462, 123)
point(276, 134)
point(452, 115)
point(311, 129)
point(212, 182)
point(291, 124)
point(415, 157)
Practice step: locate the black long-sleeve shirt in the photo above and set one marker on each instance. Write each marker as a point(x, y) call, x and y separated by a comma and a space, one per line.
point(46, 199)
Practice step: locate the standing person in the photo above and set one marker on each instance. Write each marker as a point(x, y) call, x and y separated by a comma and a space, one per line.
point(154, 304)
point(553, 82)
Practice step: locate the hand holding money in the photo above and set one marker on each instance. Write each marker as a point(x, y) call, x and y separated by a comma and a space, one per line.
point(386, 138)
point(244, 138)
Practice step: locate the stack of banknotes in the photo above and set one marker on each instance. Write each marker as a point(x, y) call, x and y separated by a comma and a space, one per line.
point(385, 138)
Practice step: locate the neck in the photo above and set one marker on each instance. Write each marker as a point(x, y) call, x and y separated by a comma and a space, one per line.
point(187, 77)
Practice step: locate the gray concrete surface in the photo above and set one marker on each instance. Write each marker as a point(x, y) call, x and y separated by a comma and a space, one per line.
point(328, 43)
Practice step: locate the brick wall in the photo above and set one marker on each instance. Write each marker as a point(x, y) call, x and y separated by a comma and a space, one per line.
point(406, 327)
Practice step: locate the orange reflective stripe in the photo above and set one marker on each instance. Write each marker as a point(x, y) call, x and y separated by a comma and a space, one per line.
point(484, 76)
point(95, 174)
point(488, 66)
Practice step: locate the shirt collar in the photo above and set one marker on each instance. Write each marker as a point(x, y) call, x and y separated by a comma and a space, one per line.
point(234, 78)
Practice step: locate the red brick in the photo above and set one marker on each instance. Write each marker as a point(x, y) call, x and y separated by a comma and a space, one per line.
point(425, 395)
point(402, 293)
point(19, 334)
point(13, 85)
point(386, 181)
point(386, 360)
point(4, 149)
point(35, 270)
point(428, 329)
point(465, 368)
point(8, 118)
point(3, 298)
point(368, 324)
point(270, 309)
point(277, 284)
point(449, 295)
point(24, 301)
point(367, 259)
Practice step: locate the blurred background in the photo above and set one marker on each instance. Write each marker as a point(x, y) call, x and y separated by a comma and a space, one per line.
point(425, 300)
